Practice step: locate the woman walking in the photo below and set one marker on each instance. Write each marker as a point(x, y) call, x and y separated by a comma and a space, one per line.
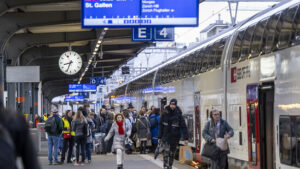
point(217, 128)
point(120, 131)
point(143, 131)
point(80, 129)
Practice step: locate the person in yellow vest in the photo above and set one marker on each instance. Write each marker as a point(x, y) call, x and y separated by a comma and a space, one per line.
point(68, 135)
point(45, 117)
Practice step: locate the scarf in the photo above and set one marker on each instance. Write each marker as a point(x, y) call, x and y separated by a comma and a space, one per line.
point(121, 129)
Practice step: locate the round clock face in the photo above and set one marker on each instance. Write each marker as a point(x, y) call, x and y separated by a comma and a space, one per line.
point(70, 62)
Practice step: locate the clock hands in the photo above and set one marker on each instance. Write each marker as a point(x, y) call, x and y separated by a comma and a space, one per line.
point(69, 64)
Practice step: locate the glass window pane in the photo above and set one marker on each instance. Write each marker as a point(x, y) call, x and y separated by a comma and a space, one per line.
point(212, 54)
point(205, 59)
point(199, 58)
point(246, 43)
point(257, 42)
point(296, 34)
point(269, 36)
point(286, 21)
point(285, 136)
point(237, 47)
point(297, 135)
point(219, 52)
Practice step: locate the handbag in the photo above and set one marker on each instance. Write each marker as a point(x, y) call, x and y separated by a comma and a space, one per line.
point(67, 135)
point(211, 151)
point(222, 144)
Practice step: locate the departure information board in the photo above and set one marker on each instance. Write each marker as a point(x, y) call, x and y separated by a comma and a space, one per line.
point(128, 13)
point(82, 88)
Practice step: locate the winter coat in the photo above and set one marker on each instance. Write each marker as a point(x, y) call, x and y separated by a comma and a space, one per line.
point(59, 124)
point(97, 123)
point(143, 127)
point(154, 119)
point(91, 126)
point(170, 126)
point(80, 128)
point(119, 140)
point(208, 132)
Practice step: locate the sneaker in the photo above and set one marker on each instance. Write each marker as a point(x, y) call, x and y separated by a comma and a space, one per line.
point(82, 163)
point(77, 164)
point(69, 162)
point(89, 161)
point(56, 163)
point(50, 163)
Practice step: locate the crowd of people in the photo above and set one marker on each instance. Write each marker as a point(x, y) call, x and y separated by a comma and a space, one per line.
point(78, 134)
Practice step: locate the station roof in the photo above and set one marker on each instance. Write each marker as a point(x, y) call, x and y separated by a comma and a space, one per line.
point(37, 32)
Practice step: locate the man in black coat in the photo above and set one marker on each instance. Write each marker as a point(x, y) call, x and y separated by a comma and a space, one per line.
point(170, 124)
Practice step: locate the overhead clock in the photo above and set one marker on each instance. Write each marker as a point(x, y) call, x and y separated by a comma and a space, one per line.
point(70, 62)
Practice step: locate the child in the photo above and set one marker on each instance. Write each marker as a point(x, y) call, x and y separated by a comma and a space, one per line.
point(120, 131)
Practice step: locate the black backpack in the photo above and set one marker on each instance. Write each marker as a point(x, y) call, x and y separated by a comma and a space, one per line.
point(51, 126)
point(7, 155)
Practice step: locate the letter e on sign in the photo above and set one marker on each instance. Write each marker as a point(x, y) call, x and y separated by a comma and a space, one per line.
point(142, 32)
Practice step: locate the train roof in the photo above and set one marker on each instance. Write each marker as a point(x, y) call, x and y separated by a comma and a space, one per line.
point(145, 78)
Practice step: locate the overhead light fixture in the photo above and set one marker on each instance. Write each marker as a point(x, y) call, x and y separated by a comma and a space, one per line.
point(105, 29)
point(98, 44)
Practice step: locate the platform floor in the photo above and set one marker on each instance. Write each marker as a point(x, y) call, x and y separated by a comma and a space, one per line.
point(135, 161)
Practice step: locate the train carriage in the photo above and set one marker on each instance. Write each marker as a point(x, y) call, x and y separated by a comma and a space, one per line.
point(251, 74)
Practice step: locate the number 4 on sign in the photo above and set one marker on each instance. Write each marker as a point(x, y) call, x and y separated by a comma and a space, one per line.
point(163, 32)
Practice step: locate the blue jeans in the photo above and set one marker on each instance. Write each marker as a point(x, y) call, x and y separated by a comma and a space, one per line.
point(89, 147)
point(52, 143)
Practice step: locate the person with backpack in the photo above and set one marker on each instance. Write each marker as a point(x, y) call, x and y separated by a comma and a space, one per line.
point(143, 131)
point(217, 128)
point(53, 127)
point(89, 141)
point(120, 131)
point(68, 137)
point(80, 128)
point(15, 141)
point(154, 119)
point(170, 124)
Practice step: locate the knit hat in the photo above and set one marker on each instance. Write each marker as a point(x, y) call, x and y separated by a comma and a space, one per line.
point(173, 102)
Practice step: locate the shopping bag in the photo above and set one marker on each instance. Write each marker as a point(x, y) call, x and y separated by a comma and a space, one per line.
point(149, 143)
point(211, 151)
point(222, 144)
point(138, 143)
point(185, 154)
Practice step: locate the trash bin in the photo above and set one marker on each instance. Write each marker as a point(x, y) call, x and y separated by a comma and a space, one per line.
point(36, 138)
point(41, 127)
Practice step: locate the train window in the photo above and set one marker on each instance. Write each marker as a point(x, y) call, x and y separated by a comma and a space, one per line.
point(296, 34)
point(285, 136)
point(237, 47)
point(257, 41)
point(211, 59)
point(205, 59)
point(253, 144)
point(241, 138)
point(297, 134)
point(286, 21)
point(240, 113)
point(246, 42)
point(219, 52)
point(270, 35)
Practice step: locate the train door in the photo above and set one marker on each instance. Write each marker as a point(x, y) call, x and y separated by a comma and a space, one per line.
point(197, 125)
point(260, 117)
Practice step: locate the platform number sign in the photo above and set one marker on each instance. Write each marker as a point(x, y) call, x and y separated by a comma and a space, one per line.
point(98, 80)
point(153, 34)
point(164, 34)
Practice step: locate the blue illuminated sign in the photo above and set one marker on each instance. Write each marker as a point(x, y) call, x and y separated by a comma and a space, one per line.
point(98, 80)
point(152, 34)
point(76, 98)
point(128, 13)
point(82, 88)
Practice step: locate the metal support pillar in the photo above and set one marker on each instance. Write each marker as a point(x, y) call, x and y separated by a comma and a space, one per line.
point(233, 17)
point(40, 104)
point(11, 92)
point(35, 90)
point(28, 100)
point(2, 67)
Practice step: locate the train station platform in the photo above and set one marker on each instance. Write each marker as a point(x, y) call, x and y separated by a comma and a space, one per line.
point(134, 161)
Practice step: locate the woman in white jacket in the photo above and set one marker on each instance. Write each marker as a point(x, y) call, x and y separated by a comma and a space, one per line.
point(120, 130)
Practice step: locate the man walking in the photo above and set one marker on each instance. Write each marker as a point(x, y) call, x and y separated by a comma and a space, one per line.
point(170, 124)
point(53, 128)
